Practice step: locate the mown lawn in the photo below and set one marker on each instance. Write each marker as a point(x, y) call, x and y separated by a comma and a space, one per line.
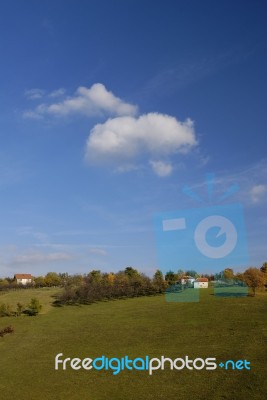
point(225, 328)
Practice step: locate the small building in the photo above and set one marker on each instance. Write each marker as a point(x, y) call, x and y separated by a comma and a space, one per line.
point(187, 279)
point(201, 283)
point(23, 279)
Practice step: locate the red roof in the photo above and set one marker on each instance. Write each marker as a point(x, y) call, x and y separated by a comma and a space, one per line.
point(202, 280)
point(23, 276)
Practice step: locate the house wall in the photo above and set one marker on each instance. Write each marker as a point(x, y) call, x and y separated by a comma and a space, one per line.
point(184, 281)
point(201, 285)
point(24, 281)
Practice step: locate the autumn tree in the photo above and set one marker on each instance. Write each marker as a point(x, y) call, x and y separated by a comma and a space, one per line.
point(228, 273)
point(254, 278)
point(264, 271)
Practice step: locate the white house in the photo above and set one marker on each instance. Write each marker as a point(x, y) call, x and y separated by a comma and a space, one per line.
point(201, 283)
point(187, 279)
point(23, 279)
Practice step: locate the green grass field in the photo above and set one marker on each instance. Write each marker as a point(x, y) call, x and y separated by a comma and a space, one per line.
point(225, 328)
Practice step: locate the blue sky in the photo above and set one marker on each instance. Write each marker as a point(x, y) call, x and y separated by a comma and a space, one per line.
point(110, 108)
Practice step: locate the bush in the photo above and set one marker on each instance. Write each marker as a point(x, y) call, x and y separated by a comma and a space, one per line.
point(5, 310)
point(33, 308)
point(5, 331)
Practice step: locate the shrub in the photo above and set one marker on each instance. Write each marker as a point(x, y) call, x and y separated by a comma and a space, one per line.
point(6, 330)
point(33, 308)
point(5, 310)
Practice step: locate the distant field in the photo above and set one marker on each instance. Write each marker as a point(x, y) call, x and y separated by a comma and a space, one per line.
point(224, 328)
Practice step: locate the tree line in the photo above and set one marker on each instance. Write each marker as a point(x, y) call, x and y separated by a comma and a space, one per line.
point(129, 283)
point(98, 286)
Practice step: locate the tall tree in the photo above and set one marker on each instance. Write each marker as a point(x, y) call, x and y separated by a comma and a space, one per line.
point(228, 273)
point(52, 279)
point(254, 278)
point(170, 278)
point(158, 281)
point(95, 276)
point(264, 268)
point(131, 272)
point(192, 273)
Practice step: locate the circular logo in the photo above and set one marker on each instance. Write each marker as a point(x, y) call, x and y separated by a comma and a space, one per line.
point(226, 227)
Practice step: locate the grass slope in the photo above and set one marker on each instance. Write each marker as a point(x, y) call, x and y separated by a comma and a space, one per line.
point(215, 327)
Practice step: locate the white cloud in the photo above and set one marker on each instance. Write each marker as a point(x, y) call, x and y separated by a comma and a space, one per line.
point(96, 100)
point(121, 139)
point(124, 137)
point(36, 257)
point(34, 94)
point(257, 192)
point(57, 93)
point(161, 168)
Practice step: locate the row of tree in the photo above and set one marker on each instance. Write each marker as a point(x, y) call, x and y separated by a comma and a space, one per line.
point(98, 286)
point(130, 282)
point(53, 279)
point(255, 278)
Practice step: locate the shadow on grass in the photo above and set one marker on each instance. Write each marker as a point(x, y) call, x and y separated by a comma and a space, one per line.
point(227, 294)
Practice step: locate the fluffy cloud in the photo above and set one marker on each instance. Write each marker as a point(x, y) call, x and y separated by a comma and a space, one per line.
point(257, 192)
point(57, 93)
point(121, 139)
point(124, 137)
point(95, 100)
point(161, 168)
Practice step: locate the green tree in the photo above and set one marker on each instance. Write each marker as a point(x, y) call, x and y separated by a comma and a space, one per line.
point(158, 281)
point(34, 307)
point(192, 273)
point(75, 280)
point(6, 310)
point(254, 278)
point(20, 308)
point(158, 276)
point(52, 279)
point(95, 276)
point(131, 272)
point(170, 278)
point(39, 281)
point(180, 273)
point(4, 283)
point(264, 268)
point(63, 278)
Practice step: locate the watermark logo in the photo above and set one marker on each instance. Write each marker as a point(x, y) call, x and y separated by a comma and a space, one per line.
point(117, 365)
point(208, 238)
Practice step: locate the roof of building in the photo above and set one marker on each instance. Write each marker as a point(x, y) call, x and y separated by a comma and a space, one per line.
point(23, 276)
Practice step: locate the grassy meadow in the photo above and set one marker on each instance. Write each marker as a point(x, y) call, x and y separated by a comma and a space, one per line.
point(225, 328)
